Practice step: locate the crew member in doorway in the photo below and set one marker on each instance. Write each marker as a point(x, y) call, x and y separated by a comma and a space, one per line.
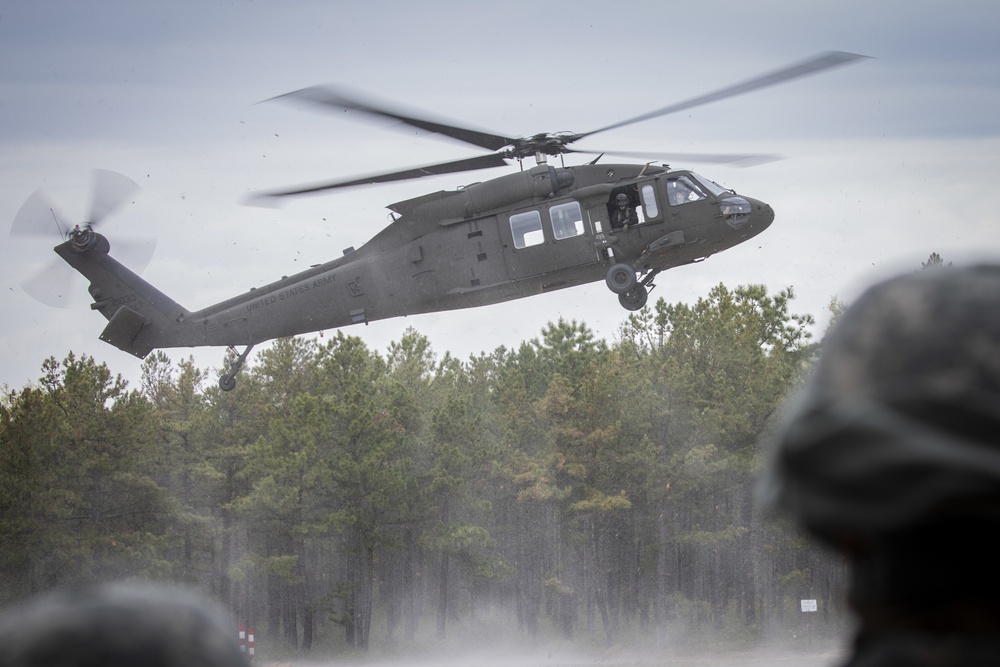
point(624, 215)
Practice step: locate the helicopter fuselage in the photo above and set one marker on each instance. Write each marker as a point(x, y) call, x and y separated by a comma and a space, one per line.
point(511, 237)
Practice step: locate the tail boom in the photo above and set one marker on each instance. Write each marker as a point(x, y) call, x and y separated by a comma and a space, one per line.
point(140, 317)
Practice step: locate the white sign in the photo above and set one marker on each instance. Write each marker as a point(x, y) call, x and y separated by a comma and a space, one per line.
point(808, 605)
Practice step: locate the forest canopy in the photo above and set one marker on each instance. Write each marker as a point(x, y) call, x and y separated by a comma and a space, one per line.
point(570, 488)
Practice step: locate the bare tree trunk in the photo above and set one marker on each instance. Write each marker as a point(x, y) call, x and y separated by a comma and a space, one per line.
point(273, 606)
point(442, 608)
point(599, 584)
point(363, 618)
point(409, 586)
point(225, 559)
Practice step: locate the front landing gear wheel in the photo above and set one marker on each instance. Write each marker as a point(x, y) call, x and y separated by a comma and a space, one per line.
point(634, 299)
point(227, 383)
point(621, 278)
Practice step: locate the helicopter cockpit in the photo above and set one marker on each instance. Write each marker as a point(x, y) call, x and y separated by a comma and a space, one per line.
point(684, 190)
point(693, 187)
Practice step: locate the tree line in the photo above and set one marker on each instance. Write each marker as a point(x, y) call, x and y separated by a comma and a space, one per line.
point(342, 498)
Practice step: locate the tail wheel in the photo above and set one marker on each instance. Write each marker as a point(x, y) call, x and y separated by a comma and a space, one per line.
point(621, 278)
point(228, 381)
point(634, 299)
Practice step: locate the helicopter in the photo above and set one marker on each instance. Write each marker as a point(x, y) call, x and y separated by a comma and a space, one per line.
point(539, 229)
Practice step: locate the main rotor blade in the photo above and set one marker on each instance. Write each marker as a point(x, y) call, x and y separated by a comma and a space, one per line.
point(815, 64)
point(37, 217)
point(736, 159)
point(468, 164)
point(111, 191)
point(338, 98)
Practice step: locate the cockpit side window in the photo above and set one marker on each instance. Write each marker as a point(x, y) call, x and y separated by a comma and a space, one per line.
point(527, 229)
point(683, 190)
point(567, 220)
point(649, 205)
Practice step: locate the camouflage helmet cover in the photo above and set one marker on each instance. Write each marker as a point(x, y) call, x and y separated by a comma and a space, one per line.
point(899, 424)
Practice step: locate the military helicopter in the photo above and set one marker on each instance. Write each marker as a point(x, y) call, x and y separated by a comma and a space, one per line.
point(536, 230)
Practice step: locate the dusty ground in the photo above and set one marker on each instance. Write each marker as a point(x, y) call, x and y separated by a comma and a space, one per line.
point(751, 658)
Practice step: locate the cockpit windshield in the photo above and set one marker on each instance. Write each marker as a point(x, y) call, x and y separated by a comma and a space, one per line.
point(690, 187)
point(683, 190)
point(711, 185)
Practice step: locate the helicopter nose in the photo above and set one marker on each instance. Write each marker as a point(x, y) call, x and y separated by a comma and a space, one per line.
point(765, 214)
point(762, 215)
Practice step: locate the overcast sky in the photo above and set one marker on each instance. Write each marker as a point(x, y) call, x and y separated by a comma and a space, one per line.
point(887, 160)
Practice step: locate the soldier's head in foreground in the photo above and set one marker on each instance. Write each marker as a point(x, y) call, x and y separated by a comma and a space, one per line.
point(891, 455)
point(115, 626)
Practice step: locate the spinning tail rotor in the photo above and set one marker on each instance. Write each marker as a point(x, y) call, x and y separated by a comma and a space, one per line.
point(38, 220)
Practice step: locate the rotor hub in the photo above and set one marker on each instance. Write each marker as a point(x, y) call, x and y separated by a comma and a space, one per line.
point(545, 143)
point(82, 238)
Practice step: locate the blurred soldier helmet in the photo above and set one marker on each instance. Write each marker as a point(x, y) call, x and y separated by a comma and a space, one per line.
point(899, 426)
point(118, 625)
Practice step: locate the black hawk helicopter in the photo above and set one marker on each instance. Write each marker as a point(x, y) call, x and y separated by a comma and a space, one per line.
point(540, 229)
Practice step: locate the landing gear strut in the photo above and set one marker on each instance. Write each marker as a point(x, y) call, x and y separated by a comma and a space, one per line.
point(228, 381)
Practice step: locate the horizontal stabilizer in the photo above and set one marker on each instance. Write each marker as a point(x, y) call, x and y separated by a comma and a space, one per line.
point(123, 329)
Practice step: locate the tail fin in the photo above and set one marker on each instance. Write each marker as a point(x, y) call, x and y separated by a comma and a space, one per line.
point(140, 317)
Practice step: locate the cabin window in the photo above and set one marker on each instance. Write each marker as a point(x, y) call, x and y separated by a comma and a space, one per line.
point(649, 207)
point(527, 229)
point(567, 220)
point(683, 190)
